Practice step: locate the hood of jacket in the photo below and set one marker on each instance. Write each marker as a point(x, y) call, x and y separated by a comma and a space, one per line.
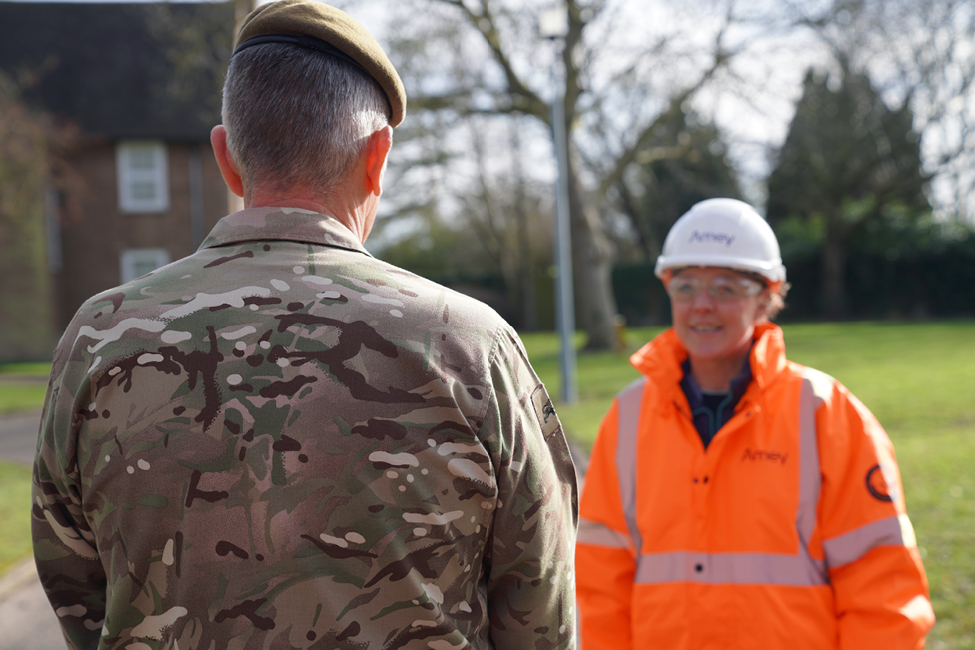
point(660, 360)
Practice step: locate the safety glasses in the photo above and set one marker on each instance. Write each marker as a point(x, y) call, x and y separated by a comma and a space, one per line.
point(720, 288)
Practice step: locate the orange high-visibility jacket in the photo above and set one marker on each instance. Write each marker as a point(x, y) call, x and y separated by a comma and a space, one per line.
point(788, 532)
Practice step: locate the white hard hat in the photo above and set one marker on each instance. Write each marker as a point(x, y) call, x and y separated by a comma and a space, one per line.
point(725, 233)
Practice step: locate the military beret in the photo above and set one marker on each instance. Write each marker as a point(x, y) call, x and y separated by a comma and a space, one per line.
point(318, 26)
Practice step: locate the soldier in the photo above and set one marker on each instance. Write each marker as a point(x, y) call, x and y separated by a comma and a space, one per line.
point(282, 442)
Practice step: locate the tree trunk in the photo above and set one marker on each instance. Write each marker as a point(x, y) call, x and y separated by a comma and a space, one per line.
point(526, 256)
point(592, 262)
point(833, 272)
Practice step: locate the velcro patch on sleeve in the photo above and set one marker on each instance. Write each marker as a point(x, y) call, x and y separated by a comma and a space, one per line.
point(545, 411)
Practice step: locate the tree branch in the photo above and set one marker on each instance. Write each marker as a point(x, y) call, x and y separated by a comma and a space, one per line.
point(523, 99)
point(721, 58)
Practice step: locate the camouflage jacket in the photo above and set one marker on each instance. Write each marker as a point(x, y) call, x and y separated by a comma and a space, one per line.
point(282, 442)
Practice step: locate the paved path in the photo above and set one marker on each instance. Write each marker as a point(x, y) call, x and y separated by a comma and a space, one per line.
point(18, 436)
point(26, 620)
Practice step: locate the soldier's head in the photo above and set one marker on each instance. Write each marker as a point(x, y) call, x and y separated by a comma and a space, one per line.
point(306, 87)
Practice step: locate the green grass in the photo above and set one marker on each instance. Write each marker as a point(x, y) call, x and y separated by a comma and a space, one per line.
point(917, 378)
point(940, 490)
point(22, 386)
point(21, 397)
point(26, 369)
point(14, 513)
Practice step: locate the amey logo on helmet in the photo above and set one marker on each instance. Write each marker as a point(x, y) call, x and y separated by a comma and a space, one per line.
point(711, 237)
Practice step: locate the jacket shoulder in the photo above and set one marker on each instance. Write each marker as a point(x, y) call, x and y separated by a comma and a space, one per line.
point(821, 384)
point(456, 311)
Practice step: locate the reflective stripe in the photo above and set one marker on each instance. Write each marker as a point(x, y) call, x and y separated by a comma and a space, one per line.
point(628, 403)
point(811, 396)
point(730, 568)
point(596, 534)
point(853, 545)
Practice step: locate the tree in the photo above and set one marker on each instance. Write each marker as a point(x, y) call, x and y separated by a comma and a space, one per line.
point(501, 222)
point(631, 66)
point(483, 57)
point(848, 160)
point(506, 217)
point(196, 43)
point(685, 163)
point(917, 53)
point(459, 256)
point(29, 142)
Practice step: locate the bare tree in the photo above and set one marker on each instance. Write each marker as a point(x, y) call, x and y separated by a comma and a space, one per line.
point(622, 85)
point(631, 67)
point(504, 229)
point(504, 212)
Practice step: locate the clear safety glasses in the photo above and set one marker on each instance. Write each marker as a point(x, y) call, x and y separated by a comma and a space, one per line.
point(720, 288)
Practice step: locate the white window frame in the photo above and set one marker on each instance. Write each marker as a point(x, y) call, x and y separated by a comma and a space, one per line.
point(136, 262)
point(142, 163)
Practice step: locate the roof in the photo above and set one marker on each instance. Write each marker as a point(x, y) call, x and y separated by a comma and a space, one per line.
point(141, 70)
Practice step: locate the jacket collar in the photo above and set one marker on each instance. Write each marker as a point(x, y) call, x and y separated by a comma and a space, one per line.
point(661, 358)
point(289, 224)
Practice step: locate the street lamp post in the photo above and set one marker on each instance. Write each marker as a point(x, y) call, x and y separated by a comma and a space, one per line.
point(553, 25)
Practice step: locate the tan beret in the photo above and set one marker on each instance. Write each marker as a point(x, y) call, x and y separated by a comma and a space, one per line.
point(316, 25)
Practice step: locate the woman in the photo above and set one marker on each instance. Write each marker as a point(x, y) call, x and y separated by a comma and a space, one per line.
point(735, 499)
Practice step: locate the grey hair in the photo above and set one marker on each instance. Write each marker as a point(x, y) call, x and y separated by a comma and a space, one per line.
point(297, 117)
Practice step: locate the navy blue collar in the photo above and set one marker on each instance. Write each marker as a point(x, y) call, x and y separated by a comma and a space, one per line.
point(709, 418)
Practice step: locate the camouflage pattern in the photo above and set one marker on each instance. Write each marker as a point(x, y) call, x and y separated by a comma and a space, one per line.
point(282, 442)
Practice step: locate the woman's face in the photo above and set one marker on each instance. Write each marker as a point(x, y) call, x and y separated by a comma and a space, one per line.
point(715, 311)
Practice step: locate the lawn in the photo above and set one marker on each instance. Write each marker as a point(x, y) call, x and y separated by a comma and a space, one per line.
point(917, 378)
point(14, 513)
point(22, 386)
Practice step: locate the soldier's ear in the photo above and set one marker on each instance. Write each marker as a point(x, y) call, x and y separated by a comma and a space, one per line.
point(377, 153)
point(218, 139)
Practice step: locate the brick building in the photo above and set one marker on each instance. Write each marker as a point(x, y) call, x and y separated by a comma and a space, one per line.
point(138, 186)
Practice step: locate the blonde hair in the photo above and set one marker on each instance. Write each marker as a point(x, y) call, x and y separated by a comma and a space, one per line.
point(776, 301)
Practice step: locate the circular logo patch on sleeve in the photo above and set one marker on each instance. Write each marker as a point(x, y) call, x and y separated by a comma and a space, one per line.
point(877, 484)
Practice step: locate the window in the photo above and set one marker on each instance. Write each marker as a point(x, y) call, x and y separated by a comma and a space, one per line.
point(143, 182)
point(136, 262)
